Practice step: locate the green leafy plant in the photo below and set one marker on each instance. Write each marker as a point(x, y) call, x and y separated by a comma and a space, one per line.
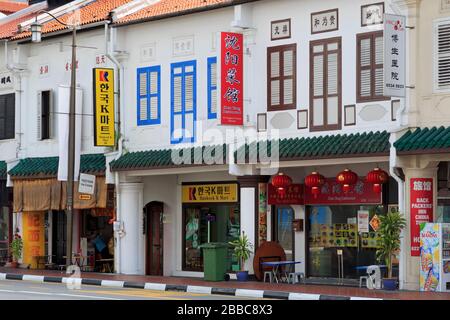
point(391, 226)
point(16, 248)
point(242, 249)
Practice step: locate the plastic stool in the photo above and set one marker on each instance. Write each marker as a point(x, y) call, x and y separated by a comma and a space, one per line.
point(361, 280)
point(269, 273)
point(294, 276)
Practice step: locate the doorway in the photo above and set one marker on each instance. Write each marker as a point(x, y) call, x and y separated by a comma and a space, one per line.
point(283, 232)
point(59, 232)
point(154, 226)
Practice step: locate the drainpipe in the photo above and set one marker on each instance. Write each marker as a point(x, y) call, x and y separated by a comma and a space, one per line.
point(120, 102)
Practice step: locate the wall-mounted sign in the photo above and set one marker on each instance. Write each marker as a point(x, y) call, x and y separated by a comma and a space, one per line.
point(375, 223)
point(68, 66)
point(33, 237)
point(294, 195)
point(394, 56)
point(44, 70)
point(100, 59)
point(232, 78)
point(332, 193)
point(325, 21)
point(6, 81)
point(104, 134)
point(297, 225)
point(421, 199)
point(83, 196)
point(281, 29)
point(363, 221)
point(372, 14)
point(86, 184)
point(210, 193)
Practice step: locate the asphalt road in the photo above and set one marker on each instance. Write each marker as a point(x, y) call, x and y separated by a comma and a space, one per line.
point(23, 290)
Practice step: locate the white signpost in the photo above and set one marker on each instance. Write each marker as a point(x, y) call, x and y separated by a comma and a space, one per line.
point(86, 184)
point(394, 56)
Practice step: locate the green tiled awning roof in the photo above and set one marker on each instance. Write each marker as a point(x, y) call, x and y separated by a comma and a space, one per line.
point(2, 170)
point(330, 146)
point(48, 166)
point(424, 140)
point(161, 159)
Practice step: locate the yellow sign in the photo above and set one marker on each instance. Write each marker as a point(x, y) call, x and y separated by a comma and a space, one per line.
point(210, 193)
point(33, 237)
point(104, 135)
point(83, 196)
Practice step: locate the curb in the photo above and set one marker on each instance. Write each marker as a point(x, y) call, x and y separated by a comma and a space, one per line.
point(248, 293)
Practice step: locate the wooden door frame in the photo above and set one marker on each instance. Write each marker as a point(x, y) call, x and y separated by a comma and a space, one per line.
point(148, 258)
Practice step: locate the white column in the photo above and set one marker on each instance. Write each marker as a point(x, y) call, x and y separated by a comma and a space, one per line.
point(131, 204)
point(248, 220)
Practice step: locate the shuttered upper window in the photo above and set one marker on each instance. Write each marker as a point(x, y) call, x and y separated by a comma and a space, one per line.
point(281, 77)
point(44, 113)
point(183, 102)
point(325, 84)
point(442, 55)
point(7, 116)
point(212, 88)
point(370, 67)
point(149, 96)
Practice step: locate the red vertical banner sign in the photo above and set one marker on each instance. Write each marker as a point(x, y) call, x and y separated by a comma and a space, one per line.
point(421, 199)
point(232, 78)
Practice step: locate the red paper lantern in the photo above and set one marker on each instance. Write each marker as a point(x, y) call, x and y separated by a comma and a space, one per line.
point(377, 177)
point(281, 182)
point(315, 181)
point(347, 178)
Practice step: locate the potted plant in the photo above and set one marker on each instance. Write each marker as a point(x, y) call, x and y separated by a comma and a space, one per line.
point(242, 250)
point(391, 226)
point(16, 250)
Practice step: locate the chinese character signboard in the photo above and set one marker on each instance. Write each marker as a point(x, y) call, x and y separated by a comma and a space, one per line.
point(232, 78)
point(33, 237)
point(372, 14)
point(6, 81)
point(281, 29)
point(421, 199)
point(104, 107)
point(294, 195)
point(325, 21)
point(332, 193)
point(210, 193)
point(394, 56)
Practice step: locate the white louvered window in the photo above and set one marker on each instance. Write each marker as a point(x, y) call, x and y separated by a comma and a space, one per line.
point(325, 87)
point(442, 55)
point(281, 77)
point(370, 67)
point(183, 102)
point(212, 88)
point(149, 96)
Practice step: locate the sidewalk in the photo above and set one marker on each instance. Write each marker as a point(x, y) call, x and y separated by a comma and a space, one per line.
point(249, 289)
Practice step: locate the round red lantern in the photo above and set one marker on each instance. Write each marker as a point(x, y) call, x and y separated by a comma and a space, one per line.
point(281, 182)
point(315, 181)
point(347, 178)
point(377, 177)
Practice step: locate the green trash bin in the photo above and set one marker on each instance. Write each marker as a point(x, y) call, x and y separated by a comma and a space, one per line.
point(214, 261)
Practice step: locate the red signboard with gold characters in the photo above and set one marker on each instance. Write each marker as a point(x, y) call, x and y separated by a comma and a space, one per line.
point(294, 195)
point(232, 78)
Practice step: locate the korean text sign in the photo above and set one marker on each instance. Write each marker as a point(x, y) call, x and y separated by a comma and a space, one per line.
point(232, 78)
point(104, 107)
point(394, 56)
point(421, 198)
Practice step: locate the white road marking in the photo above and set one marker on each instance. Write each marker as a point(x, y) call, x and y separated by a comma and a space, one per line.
point(249, 293)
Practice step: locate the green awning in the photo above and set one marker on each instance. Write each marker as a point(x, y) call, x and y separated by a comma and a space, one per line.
point(48, 166)
point(424, 140)
point(329, 146)
point(161, 159)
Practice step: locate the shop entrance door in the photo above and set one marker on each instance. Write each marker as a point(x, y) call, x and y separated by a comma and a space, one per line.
point(284, 233)
point(59, 237)
point(154, 215)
